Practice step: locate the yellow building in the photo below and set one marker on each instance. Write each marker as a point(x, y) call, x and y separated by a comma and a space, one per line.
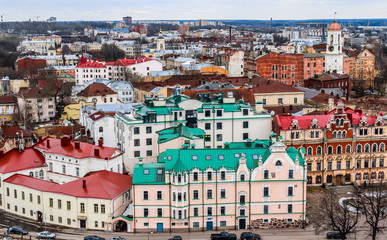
point(72, 111)
point(214, 70)
point(362, 68)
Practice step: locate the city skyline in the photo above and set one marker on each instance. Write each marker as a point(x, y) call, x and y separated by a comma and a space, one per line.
point(175, 10)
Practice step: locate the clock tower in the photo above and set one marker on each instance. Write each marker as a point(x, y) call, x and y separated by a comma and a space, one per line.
point(334, 52)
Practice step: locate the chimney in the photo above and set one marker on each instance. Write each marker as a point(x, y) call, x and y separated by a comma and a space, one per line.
point(259, 107)
point(96, 152)
point(40, 138)
point(100, 142)
point(48, 143)
point(77, 145)
point(331, 103)
point(83, 183)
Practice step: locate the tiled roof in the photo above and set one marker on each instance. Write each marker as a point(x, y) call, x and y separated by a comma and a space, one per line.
point(91, 64)
point(128, 62)
point(96, 89)
point(14, 161)
point(99, 185)
point(304, 122)
point(331, 76)
point(7, 99)
point(34, 93)
point(270, 86)
point(14, 131)
point(149, 173)
point(323, 98)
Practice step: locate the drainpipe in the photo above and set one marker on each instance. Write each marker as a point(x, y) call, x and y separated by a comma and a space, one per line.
point(303, 195)
point(236, 200)
point(134, 210)
point(216, 195)
point(249, 225)
point(170, 204)
point(203, 200)
point(189, 202)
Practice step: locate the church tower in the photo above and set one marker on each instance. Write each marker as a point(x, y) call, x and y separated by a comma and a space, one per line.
point(334, 52)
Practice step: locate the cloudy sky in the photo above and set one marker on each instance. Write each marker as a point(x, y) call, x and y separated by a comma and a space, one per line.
point(21, 10)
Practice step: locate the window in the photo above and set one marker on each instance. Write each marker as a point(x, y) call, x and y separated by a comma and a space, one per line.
point(290, 208)
point(222, 193)
point(209, 176)
point(280, 100)
point(136, 142)
point(68, 221)
point(265, 191)
point(243, 177)
point(219, 137)
point(339, 150)
point(222, 210)
point(207, 113)
point(290, 191)
point(266, 174)
point(374, 147)
point(330, 150)
point(242, 199)
point(367, 148)
point(359, 148)
point(196, 212)
point(95, 208)
point(51, 202)
point(348, 164)
point(68, 205)
point(159, 195)
point(146, 212)
point(348, 149)
point(207, 126)
point(59, 204)
point(148, 153)
point(145, 195)
point(219, 113)
point(265, 209)
point(219, 125)
point(159, 212)
point(195, 224)
point(382, 147)
point(245, 112)
point(100, 129)
point(242, 212)
point(195, 176)
point(194, 157)
point(278, 163)
point(319, 151)
point(291, 173)
point(64, 169)
point(209, 211)
point(209, 194)
point(365, 177)
point(136, 130)
point(309, 167)
point(246, 124)
point(136, 153)
point(381, 162)
point(149, 141)
point(82, 207)
point(310, 151)
point(329, 166)
point(195, 194)
point(223, 175)
point(148, 129)
point(245, 136)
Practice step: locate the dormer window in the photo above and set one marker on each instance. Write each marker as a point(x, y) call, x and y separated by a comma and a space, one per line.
point(146, 171)
point(221, 157)
point(208, 157)
point(278, 163)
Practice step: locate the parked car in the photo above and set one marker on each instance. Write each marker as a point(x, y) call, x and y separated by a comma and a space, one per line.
point(223, 236)
point(176, 238)
point(18, 230)
point(333, 235)
point(117, 238)
point(93, 238)
point(250, 236)
point(46, 235)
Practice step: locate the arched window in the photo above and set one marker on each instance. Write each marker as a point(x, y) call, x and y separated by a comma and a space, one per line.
point(367, 148)
point(100, 129)
point(319, 150)
point(278, 163)
point(339, 134)
point(334, 135)
point(382, 147)
point(41, 174)
point(344, 134)
point(373, 176)
point(358, 176)
point(339, 150)
point(348, 149)
point(365, 176)
point(359, 148)
point(309, 179)
point(374, 147)
point(381, 175)
point(337, 122)
point(330, 150)
point(342, 122)
point(310, 151)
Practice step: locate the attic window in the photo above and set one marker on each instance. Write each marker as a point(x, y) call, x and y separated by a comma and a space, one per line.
point(159, 171)
point(169, 157)
point(194, 157)
point(255, 156)
point(208, 157)
point(146, 171)
point(278, 163)
point(221, 157)
point(236, 155)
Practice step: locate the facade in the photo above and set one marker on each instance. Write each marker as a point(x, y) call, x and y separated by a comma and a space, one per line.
point(73, 111)
point(330, 80)
point(98, 93)
point(253, 183)
point(90, 202)
point(334, 50)
point(343, 146)
point(100, 127)
point(8, 109)
point(43, 47)
point(232, 60)
point(284, 67)
point(362, 68)
point(135, 132)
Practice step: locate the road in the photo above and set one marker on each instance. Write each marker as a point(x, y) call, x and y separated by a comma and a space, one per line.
point(269, 234)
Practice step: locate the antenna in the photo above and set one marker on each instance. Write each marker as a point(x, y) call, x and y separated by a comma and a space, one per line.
point(334, 17)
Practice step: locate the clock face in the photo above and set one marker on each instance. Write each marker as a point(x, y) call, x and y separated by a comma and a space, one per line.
point(331, 48)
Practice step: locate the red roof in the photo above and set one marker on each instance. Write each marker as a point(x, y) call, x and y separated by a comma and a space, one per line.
point(304, 122)
point(7, 99)
point(127, 62)
point(92, 64)
point(99, 115)
point(14, 131)
point(324, 98)
point(66, 147)
point(270, 86)
point(96, 89)
point(14, 161)
point(100, 185)
point(34, 93)
point(334, 27)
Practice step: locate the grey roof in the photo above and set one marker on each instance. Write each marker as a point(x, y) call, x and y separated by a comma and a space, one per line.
point(119, 107)
point(214, 85)
point(311, 92)
point(120, 85)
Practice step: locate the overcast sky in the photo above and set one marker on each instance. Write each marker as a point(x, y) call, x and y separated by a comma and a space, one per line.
point(21, 10)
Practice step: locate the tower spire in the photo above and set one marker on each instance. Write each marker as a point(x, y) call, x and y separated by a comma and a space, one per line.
point(334, 17)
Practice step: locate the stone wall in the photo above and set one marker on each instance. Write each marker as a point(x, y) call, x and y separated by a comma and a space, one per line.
point(276, 223)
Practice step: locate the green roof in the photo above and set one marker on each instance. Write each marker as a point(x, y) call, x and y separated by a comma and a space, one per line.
point(147, 173)
point(180, 130)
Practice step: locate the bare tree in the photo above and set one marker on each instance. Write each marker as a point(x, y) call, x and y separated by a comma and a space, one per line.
point(372, 201)
point(131, 77)
point(330, 215)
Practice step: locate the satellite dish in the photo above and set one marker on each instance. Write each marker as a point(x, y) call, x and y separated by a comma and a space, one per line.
point(272, 113)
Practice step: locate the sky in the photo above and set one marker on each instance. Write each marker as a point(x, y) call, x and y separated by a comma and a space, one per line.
point(100, 10)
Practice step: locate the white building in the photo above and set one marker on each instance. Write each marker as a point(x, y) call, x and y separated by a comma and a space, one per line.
point(334, 52)
point(100, 126)
point(98, 93)
point(224, 120)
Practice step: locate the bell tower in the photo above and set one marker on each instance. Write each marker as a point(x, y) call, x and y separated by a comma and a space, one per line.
point(334, 51)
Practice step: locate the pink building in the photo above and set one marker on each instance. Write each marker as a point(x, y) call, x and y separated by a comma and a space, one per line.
point(243, 185)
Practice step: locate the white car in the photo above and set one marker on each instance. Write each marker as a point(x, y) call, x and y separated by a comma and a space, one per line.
point(46, 235)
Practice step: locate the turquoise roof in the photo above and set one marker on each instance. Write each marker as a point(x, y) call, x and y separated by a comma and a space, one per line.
point(147, 173)
point(180, 130)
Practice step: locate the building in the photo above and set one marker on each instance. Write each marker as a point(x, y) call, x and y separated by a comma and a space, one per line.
point(127, 20)
point(30, 64)
point(141, 29)
point(249, 184)
point(73, 111)
point(8, 109)
point(91, 202)
point(42, 47)
point(100, 127)
point(13, 136)
point(36, 105)
point(284, 67)
point(343, 146)
point(68, 160)
point(232, 60)
point(334, 50)
point(184, 29)
point(330, 80)
point(136, 132)
point(98, 93)
point(362, 68)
